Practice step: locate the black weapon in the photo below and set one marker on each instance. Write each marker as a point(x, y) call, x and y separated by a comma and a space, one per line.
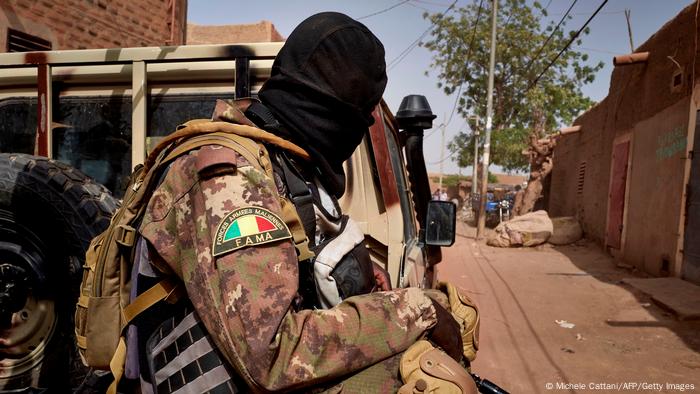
point(486, 386)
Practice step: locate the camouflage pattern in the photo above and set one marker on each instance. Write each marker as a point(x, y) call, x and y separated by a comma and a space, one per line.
point(245, 297)
point(232, 111)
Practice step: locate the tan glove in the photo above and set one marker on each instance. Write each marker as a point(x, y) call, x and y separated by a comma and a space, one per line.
point(426, 369)
point(466, 313)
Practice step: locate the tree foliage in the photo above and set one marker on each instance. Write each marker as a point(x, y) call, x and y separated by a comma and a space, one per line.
point(454, 179)
point(460, 49)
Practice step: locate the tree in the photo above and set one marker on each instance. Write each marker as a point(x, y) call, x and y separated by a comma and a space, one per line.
point(460, 44)
point(539, 153)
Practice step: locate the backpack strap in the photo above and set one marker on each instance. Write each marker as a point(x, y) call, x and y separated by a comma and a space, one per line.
point(261, 115)
point(301, 197)
point(116, 365)
point(246, 147)
point(199, 127)
point(169, 290)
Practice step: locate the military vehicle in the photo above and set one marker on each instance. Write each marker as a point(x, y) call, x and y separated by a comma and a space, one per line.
point(73, 124)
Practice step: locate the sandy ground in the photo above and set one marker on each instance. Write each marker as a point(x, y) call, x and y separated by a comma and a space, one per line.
point(621, 341)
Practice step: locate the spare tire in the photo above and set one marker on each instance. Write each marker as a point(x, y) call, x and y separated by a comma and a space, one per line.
point(49, 212)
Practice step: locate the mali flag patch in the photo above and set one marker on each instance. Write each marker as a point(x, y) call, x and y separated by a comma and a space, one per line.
point(248, 227)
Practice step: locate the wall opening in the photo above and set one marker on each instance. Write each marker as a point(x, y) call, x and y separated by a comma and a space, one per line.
point(581, 177)
point(665, 266)
point(690, 269)
point(616, 197)
point(677, 79)
point(18, 41)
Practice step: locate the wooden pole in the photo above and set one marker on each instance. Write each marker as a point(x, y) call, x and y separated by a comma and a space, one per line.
point(442, 156)
point(628, 13)
point(489, 124)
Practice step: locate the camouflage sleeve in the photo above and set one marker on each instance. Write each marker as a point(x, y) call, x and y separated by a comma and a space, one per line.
point(244, 296)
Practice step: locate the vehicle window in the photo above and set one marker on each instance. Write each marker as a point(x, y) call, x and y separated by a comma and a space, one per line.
point(375, 176)
point(18, 125)
point(93, 134)
point(397, 164)
point(168, 112)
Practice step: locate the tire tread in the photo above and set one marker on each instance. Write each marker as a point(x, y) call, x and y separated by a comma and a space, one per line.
point(85, 206)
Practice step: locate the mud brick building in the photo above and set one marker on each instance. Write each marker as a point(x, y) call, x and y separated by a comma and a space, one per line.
point(263, 31)
point(79, 24)
point(632, 175)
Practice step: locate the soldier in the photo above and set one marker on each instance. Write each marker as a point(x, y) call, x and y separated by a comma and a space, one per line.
point(325, 82)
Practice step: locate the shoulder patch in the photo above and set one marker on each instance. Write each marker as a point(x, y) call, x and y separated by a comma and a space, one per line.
point(248, 226)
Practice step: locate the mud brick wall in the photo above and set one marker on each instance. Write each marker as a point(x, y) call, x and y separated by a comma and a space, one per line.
point(648, 104)
point(81, 24)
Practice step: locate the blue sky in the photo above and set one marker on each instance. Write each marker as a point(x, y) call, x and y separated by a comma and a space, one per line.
point(400, 26)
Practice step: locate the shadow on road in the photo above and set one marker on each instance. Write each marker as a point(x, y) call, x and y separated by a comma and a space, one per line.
point(595, 262)
point(529, 296)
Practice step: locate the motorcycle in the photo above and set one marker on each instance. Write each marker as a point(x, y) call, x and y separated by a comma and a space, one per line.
point(496, 211)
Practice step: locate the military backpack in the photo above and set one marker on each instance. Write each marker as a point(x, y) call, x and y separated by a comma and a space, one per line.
point(104, 306)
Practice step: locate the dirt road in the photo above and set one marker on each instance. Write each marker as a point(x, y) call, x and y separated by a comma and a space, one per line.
point(620, 340)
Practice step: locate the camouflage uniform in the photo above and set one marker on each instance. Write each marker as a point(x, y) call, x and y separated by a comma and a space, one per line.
point(245, 297)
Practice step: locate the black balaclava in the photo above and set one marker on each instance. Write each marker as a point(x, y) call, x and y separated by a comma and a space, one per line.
point(325, 82)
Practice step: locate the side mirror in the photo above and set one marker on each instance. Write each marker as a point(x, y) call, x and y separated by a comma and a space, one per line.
point(440, 224)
